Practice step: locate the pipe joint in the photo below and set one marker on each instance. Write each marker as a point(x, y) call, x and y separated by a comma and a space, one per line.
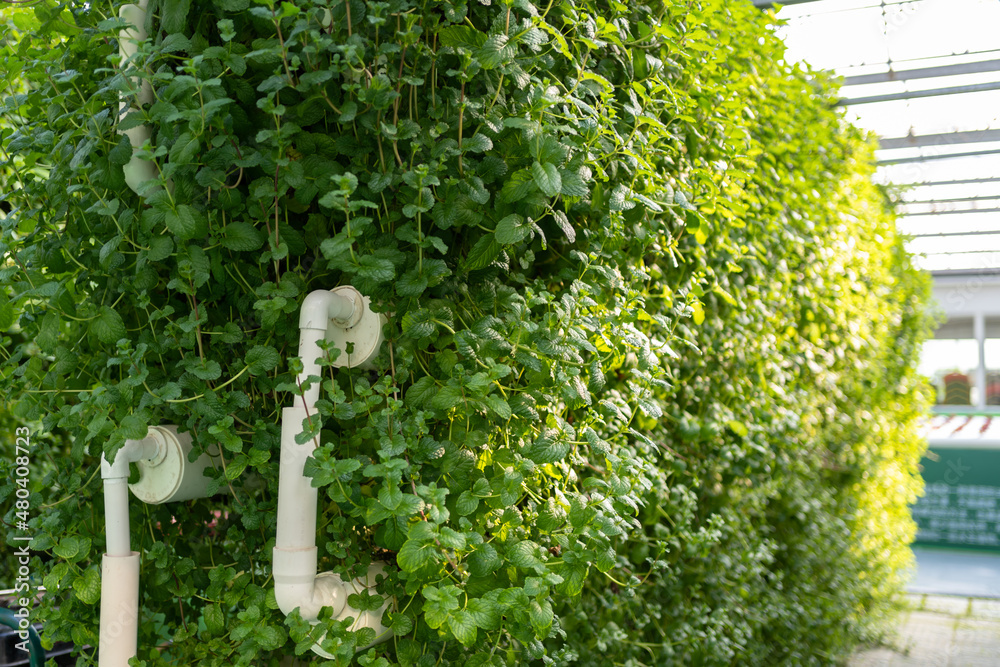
point(344, 306)
point(131, 452)
point(310, 593)
point(296, 584)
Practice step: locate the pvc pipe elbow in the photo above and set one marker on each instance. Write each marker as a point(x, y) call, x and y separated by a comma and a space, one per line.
point(297, 586)
point(343, 305)
point(171, 476)
point(131, 451)
point(292, 591)
point(344, 319)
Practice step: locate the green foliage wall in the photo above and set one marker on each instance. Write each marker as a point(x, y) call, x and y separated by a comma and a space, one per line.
point(648, 393)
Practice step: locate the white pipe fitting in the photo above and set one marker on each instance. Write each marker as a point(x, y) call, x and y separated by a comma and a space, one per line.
point(115, 476)
point(340, 305)
point(166, 474)
point(120, 565)
point(172, 476)
point(339, 316)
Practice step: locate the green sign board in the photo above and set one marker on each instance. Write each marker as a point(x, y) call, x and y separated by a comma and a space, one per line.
point(961, 502)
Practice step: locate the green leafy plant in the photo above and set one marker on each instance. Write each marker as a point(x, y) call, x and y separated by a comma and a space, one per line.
point(648, 390)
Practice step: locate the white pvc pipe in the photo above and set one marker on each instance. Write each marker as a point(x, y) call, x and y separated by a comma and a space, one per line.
point(116, 517)
point(295, 553)
point(137, 171)
point(318, 308)
point(120, 566)
point(130, 452)
point(118, 640)
point(296, 582)
point(296, 501)
point(128, 44)
point(309, 351)
point(321, 306)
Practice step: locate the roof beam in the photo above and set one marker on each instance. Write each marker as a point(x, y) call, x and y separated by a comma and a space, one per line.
point(959, 212)
point(916, 94)
point(927, 158)
point(951, 200)
point(963, 181)
point(924, 73)
point(946, 139)
point(934, 234)
point(960, 252)
point(961, 273)
point(767, 4)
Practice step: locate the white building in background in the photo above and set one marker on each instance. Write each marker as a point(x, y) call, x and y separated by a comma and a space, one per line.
point(963, 358)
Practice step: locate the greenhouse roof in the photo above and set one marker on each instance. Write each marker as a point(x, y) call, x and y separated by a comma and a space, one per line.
point(924, 75)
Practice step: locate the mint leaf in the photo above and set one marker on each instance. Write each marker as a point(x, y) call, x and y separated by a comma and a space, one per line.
point(174, 15)
point(485, 613)
point(466, 503)
point(517, 187)
point(186, 221)
point(414, 555)
point(483, 253)
point(461, 36)
point(160, 247)
point(242, 237)
point(463, 626)
point(546, 178)
point(88, 586)
point(511, 229)
point(108, 326)
point(540, 614)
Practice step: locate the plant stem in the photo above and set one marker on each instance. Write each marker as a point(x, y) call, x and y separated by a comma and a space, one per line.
point(461, 112)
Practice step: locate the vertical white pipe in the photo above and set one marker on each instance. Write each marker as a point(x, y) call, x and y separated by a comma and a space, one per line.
point(116, 516)
point(118, 640)
point(295, 553)
point(120, 566)
point(297, 497)
point(137, 171)
point(309, 352)
point(128, 44)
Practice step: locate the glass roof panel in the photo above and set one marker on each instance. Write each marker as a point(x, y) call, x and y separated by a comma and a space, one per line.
point(938, 63)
